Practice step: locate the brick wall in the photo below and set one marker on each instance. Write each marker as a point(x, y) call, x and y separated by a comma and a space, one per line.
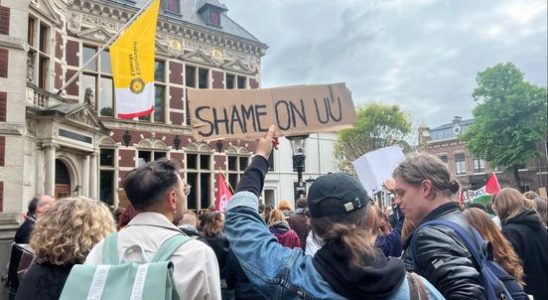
point(4, 59)
point(3, 106)
point(4, 20)
point(2, 150)
point(218, 78)
point(1, 196)
point(176, 70)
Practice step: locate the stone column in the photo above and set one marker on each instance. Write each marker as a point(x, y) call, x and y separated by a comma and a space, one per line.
point(50, 170)
point(93, 178)
point(85, 177)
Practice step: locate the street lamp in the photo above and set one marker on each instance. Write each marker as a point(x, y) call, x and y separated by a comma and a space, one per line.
point(298, 147)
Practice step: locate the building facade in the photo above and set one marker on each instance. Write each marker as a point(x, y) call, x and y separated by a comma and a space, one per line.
point(472, 172)
point(70, 143)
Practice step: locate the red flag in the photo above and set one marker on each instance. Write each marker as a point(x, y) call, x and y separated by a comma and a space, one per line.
point(492, 185)
point(223, 194)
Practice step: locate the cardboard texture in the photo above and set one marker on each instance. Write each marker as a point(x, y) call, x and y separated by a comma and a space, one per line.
point(247, 114)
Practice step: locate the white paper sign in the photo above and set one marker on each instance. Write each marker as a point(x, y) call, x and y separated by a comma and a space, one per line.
point(374, 167)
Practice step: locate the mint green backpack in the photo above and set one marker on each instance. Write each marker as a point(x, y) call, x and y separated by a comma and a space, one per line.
point(119, 280)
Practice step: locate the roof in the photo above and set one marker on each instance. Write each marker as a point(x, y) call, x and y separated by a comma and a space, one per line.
point(189, 13)
point(449, 131)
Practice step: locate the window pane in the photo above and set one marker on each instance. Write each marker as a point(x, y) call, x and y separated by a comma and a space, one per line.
point(192, 179)
point(205, 183)
point(88, 53)
point(107, 157)
point(159, 70)
point(232, 163)
point(203, 78)
point(43, 72)
point(214, 17)
point(106, 193)
point(43, 38)
point(173, 6)
point(105, 62)
point(190, 73)
point(243, 163)
point(460, 164)
point(192, 161)
point(204, 161)
point(144, 157)
point(233, 180)
point(241, 82)
point(105, 97)
point(158, 155)
point(159, 101)
point(88, 86)
point(229, 81)
point(30, 32)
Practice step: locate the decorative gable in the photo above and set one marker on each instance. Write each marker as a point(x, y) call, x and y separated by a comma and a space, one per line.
point(86, 116)
point(45, 8)
point(238, 66)
point(199, 57)
point(97, 34)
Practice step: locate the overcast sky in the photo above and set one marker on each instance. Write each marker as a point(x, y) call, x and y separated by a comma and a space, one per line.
point(421, 54)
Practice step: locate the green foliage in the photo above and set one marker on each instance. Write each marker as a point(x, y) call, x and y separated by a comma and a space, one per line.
point(377, 126)
point(510, 118)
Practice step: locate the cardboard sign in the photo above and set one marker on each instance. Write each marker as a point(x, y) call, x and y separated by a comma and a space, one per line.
point(374, 167)
point(247, 114)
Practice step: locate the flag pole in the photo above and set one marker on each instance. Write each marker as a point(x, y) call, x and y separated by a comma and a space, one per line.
point(112, 39)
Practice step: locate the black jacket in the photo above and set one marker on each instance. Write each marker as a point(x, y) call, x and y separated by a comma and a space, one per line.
point(443, 259)
point(238, 281)
point(22, 236)
point(530, 241)
point(219, 244)
point(43, 282)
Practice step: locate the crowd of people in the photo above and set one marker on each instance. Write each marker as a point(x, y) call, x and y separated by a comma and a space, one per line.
point(336, 243)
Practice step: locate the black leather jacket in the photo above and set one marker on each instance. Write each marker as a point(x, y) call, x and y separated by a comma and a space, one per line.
point(443, 259)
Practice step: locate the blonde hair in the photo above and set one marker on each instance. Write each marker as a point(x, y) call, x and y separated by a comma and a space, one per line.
point(67, 231)
point(509, 203)
point(503, 252)
point(276, 215)
point(284, 205)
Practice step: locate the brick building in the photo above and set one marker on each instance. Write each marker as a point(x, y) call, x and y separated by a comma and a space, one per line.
point(473, 172)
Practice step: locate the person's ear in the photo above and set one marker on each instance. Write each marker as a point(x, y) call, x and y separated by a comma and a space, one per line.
point(172, 199)
point(426, 189)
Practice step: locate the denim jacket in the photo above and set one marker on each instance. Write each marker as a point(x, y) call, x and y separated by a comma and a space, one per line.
point(279, 272)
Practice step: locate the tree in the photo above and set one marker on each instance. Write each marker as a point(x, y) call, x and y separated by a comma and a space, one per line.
point(510, 119)
point(377, 126)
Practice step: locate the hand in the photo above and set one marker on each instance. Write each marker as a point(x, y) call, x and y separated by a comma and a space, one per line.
point(264, 145)
point(390, 184)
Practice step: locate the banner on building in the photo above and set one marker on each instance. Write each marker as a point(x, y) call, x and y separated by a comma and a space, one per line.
point(247, 114)
point(132, 58)
point(223, 194)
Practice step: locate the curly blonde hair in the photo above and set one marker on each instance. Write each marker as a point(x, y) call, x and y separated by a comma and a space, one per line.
point(67, 232)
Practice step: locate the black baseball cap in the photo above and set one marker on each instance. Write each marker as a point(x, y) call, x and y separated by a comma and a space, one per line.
point(344, 191)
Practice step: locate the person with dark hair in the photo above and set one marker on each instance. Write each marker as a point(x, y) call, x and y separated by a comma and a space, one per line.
point(37, 206)
point(423, 188)
point(125, 217)
point(347, 266)
point(158, 195)
point(298, 221)
point(215, 237)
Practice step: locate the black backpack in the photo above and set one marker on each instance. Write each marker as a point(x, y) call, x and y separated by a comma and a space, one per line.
point(497, 282)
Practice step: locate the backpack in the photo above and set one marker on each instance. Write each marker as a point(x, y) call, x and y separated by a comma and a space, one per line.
point(498, 283)
point(124, 279)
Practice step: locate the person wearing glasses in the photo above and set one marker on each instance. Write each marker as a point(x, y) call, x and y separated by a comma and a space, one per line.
point(159, 197)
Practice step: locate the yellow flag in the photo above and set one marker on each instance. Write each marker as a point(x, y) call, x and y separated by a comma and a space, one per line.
point(132, 56)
